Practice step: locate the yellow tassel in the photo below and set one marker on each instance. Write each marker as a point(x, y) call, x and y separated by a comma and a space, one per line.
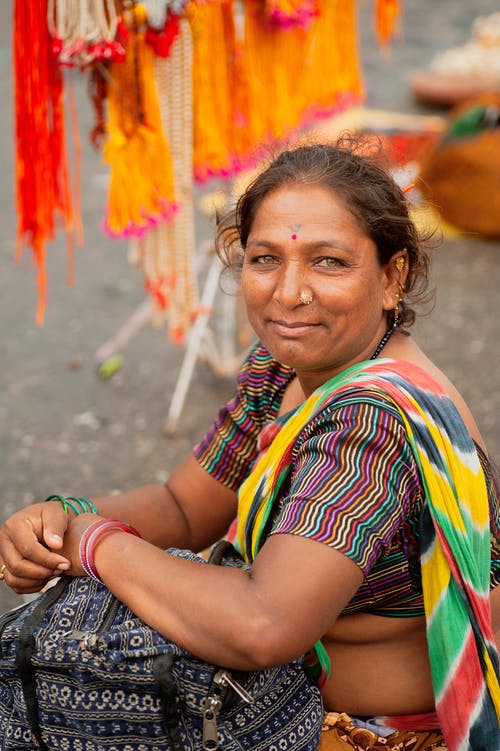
point(211, 27)
point(141, 190)
point(306, 73)
point(259, 85)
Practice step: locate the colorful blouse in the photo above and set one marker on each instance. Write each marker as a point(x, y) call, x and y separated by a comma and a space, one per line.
point(354, 484)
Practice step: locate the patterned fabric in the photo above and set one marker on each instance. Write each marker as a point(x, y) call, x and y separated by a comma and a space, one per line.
point(354, 483)
point(230, 447)
point(341, 733)
point(455, 540)
point(79, 671)
point(392, 585)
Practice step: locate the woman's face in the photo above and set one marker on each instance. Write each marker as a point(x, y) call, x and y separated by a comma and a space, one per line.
point(304, 240)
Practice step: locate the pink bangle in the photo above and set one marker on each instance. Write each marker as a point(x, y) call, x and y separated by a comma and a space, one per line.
point(91, 538)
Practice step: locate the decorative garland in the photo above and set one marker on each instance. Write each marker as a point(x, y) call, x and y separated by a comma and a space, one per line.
point(299, 55)
point(141, 188)
point(42, 174)
point(85, 31)
point(288, 13)
point(166, 253)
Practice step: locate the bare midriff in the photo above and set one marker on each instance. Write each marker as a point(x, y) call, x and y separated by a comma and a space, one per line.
point(379, 666)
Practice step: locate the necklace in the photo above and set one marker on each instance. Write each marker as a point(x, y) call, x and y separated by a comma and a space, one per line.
point(382, 343)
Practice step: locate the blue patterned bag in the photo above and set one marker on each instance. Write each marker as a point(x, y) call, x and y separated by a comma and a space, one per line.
point(80, 672)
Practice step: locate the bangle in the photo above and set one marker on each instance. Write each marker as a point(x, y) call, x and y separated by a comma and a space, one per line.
point(78, 505)
point(92, 536)
point(85, 505)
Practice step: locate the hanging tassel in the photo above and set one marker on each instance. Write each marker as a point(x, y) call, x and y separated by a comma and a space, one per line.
point(289, 13)
point(141, 190)
point(306, 73)
point(166, 252)
point(387, 16)
point(211, 28)
point(42, 175)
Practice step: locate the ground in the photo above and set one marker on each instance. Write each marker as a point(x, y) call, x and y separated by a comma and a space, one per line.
point(64, 429)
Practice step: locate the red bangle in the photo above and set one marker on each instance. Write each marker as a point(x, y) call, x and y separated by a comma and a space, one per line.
point(92, 536)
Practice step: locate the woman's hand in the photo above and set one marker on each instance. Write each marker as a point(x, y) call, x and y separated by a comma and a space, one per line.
point(71, 547)
point(31, 543)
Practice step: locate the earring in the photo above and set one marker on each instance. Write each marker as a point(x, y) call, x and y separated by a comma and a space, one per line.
point(305, 298)
point(400, 263)
point(396, 307)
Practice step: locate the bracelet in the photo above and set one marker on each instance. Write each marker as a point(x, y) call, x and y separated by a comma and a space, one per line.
point(92, 536)
point(78, 505)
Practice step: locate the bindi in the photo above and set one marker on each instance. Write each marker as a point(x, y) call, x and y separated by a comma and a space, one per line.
point(295, 228)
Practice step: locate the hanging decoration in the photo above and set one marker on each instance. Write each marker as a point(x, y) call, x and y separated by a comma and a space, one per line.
point(165, 253)
point(85, 31)
point(306, 72)
point(287, 13)
point(212, 28)
point(141, 188)
point(183, 90)
point(42, 175)
point(387, 17)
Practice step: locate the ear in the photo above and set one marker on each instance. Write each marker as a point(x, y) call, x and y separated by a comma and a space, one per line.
point(396, 274)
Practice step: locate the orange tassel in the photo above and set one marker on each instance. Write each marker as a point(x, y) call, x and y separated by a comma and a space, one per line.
point(300, 71)
point(141, 190)
point(42, 175)
point(213, 49)
point(387, 15)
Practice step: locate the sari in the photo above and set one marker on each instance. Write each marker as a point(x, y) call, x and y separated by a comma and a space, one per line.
point(455, 537)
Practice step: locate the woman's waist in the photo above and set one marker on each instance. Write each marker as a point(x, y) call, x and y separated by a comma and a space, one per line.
point(371, 629)
point(378, 667)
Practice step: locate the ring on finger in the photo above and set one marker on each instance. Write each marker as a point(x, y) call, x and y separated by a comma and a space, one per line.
point(2, 569)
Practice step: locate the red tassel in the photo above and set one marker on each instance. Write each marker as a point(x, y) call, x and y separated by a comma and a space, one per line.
point(42, 175)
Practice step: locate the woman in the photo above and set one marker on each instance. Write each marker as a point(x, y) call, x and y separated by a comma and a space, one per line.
point(331, 261)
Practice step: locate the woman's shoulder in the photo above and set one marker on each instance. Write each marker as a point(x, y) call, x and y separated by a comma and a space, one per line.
point(261, 370)
point(418, 368)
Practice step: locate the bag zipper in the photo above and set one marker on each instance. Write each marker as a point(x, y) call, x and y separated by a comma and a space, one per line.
point(212, 704)
point(89, 639)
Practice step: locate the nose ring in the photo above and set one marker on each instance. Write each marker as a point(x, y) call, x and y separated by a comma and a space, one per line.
point(305, 298)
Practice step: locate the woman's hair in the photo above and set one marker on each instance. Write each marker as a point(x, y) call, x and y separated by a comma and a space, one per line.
point(369, 193)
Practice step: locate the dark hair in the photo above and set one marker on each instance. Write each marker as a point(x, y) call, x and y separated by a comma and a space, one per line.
point(370, 193)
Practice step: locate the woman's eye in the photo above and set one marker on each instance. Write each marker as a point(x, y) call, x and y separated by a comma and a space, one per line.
point(328, 262)
point(266, 260)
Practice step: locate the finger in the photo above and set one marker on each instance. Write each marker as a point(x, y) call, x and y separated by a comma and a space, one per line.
point(55, 522)
point(31, 560)
point(23, 586)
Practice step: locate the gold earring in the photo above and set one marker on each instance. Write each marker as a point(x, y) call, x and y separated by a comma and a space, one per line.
point(400, 263)
point(305, 298)
point(399, 299)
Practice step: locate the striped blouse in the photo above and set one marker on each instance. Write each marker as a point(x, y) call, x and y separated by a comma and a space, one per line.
point(353, 485)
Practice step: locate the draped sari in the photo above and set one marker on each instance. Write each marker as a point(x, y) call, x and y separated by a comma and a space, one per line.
point(454, 536)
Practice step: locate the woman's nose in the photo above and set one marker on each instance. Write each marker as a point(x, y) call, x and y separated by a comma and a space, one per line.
point(290, 283)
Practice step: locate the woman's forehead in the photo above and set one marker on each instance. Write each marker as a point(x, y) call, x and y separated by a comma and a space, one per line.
point(309, 205)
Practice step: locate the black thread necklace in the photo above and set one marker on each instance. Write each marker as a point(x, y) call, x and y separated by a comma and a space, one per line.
point(383, 342)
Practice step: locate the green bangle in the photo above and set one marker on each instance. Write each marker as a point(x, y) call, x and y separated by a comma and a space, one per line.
point(59, 498)
point(85, 505)
point(80, 505)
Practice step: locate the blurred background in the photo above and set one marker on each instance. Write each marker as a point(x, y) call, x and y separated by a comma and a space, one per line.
point(66, 428)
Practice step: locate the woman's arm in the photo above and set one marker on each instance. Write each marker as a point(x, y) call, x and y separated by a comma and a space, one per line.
point(191, 510)
point(294, 591)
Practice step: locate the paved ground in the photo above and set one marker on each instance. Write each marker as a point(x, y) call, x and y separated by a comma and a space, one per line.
point(62, 428)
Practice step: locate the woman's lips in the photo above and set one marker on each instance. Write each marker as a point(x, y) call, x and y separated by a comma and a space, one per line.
point(292, 328)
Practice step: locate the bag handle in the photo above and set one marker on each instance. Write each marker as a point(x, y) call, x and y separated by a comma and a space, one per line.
point(25, 653)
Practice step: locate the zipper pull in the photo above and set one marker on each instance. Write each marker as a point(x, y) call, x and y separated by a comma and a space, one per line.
point(223, 678)
point(211, 706)
point(86, 639)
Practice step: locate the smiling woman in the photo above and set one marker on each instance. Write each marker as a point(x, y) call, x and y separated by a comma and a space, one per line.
point(335, 264)
point(360, 486)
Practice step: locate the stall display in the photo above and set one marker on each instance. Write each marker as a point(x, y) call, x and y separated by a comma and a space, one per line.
point(183, 91)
